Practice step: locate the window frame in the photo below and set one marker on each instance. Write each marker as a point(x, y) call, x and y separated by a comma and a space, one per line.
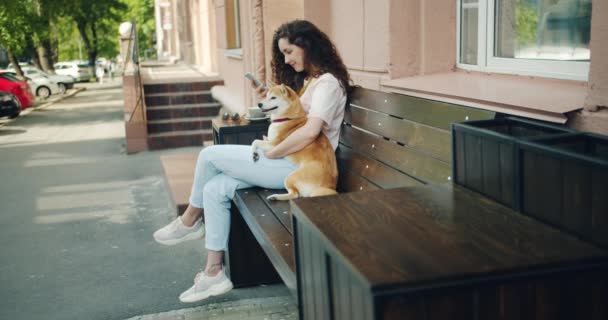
point(487, 62)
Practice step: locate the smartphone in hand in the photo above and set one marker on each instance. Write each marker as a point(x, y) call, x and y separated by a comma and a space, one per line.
point(255, 80)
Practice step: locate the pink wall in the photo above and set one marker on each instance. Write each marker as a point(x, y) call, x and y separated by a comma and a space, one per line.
point(382, 40)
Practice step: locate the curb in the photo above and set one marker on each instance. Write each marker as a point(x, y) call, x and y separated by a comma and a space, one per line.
point(51, 102)
point(257, 308)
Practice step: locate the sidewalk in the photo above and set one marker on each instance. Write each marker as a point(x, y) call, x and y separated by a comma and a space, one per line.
point(79, 215)
point(275, 308)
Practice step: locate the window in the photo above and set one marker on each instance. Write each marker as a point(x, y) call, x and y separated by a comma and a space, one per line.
point(548, 38)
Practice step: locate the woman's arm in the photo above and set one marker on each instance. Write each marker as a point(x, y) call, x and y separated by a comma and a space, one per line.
point(298, 139)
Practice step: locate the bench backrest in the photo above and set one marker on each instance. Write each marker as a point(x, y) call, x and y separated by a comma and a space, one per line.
point(391, 140)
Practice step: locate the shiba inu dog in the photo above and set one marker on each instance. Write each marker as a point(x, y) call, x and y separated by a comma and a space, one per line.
point(317, 172)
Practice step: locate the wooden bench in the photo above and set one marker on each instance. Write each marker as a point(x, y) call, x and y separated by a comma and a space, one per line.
point(387, 141)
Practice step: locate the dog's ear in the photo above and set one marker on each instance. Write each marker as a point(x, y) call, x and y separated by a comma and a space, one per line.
point(271, 84)
point(283, 90)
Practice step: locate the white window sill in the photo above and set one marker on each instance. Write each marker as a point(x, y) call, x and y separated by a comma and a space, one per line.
point(234, 53)
point(537, 98)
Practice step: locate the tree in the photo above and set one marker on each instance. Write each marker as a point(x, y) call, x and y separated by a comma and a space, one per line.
point(14, 29)
point(143, 12)
point(95, 20)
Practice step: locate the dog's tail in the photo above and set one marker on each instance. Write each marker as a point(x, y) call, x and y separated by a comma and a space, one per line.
point(323, 192)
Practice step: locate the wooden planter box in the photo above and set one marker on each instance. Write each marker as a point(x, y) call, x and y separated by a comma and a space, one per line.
point(485, 155)
point(564, 182)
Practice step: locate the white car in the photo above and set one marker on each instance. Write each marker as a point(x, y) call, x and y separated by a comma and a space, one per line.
point(41, 86)
point(64, 82)
point(78, 71)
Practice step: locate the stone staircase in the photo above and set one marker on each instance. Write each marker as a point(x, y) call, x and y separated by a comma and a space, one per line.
point(179, 114)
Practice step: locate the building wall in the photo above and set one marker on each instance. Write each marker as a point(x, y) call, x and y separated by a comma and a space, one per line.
point(378, 39)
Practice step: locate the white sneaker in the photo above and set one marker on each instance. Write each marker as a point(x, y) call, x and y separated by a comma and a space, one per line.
point(206, 286)
point(176, 232)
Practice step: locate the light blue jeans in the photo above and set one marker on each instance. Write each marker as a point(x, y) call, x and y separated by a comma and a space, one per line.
point(220, 171)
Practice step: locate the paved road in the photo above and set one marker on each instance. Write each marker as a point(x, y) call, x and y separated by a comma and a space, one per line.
point(77, 214)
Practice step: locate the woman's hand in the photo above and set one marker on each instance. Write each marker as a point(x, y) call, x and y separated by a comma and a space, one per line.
point(260, 91)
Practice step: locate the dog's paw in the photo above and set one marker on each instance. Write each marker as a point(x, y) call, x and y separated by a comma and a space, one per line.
point(256, 157)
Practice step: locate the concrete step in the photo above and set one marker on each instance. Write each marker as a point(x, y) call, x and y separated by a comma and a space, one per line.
point(178, 98)
point(179, 124)
point(180, 87)
point(179, 93)
point(161, 112)
point(177, 139)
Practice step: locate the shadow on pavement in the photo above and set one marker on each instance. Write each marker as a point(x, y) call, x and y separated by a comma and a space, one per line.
point(8, 131)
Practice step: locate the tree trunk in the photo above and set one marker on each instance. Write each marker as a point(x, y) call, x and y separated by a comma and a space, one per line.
point(35, 58)
point(32, 52)
point(15, 64)
point(81, 24)
point(44, 52)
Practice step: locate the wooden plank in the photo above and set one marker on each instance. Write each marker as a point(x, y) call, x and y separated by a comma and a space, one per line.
point(542, 188)
point(319, 279)
point(405, 308)
point(426, 234)
point(270, 234)
point(576, 205)
point(308, 274)
point(433, 113)
point(405, 159)
point(280, 209)
point(374, 171)
point(473, 164)
point(435, 142)
point(599, 213)
point(507, 175)
point(490, 169)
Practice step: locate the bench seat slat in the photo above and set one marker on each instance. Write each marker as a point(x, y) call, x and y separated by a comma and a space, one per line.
point(280, 209)
point(382, 175)
point(272, 236)
point(432, 141)
point(405, 159)
point(429, 112)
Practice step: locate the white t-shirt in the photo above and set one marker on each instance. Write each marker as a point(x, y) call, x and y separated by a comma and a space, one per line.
point(325, 99)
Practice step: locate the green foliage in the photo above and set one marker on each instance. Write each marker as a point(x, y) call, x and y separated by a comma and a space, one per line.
point(93, 23)
point(526, 24)
point(143, 12)
point(14, 25)
point(69, 40)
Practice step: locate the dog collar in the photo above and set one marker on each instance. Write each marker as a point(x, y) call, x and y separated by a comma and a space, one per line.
point(281, 120)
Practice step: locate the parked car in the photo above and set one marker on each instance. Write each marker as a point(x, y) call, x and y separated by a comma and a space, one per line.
point(63, 82)
point(18, 88)
point(78, 71)
point(9, 105)
point(42, 86)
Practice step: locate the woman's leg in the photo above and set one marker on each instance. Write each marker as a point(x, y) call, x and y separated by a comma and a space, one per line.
point(223, 171)
point(232, 160)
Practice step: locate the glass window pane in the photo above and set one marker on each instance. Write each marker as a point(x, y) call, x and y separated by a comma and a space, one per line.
point(468, 31)
point(543, 29)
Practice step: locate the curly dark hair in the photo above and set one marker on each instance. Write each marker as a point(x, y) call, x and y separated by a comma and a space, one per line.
point(319, 52)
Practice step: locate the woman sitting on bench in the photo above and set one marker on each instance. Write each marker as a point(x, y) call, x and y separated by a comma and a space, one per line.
point(305, 59)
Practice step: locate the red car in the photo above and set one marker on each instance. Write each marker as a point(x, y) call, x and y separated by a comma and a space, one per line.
point(18, 88)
